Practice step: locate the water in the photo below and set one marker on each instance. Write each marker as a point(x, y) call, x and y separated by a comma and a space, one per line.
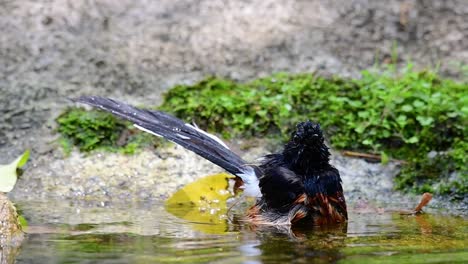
point(117, 232)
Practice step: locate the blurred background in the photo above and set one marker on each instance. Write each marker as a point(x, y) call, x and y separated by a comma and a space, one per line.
point(52, 50)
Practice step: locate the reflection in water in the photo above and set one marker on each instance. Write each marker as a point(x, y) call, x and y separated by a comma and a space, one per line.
point(301, 244)
point(424, 225)
point(146, 233)
point(8, 254)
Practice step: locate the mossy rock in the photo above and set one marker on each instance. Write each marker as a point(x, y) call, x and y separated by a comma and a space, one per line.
point(11, 232)
point(93, 130)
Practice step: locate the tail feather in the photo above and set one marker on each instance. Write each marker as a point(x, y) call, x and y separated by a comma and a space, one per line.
point(190, 137)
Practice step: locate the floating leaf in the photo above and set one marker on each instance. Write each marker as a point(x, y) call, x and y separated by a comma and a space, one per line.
point(207, 190)
point(8, 175)
point(203, 202)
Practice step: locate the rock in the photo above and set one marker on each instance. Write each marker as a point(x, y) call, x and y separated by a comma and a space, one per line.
point(11, 234)
point(112, 176)
point(10, 228)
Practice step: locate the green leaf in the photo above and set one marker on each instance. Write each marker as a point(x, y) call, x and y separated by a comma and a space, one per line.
point(413, 139)
point(384, 158)
point(8, 175)
point(407, 108)
point(23, 222)
point(262, 113)
point(425, 120)
point(24, 159)
point(418, 104)
point(465, 110)
point(360, 128)
point(363, 114)
point(401, 120)
point(248, 120)
point(355, 103)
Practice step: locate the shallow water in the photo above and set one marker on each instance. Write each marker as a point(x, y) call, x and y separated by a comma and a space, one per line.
point(110, 232)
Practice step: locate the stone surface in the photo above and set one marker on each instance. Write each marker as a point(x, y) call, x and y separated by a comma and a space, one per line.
point(10, 228)
point(11, 234)
point(112, 176)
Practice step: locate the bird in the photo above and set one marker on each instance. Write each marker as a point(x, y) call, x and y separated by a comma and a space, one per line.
point(297, 185)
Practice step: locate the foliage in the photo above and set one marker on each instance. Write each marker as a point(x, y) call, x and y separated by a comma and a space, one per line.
point(446, 172)
point(272, 104)
point(90, 130)
point(403, 114)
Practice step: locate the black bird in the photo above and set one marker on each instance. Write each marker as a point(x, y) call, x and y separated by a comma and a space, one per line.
point(297, 185)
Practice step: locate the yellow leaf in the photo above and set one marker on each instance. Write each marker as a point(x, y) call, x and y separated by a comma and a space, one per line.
point(203, 203)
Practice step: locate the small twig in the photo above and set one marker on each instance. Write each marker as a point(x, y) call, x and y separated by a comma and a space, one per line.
point(362, 155)
point(370, 156)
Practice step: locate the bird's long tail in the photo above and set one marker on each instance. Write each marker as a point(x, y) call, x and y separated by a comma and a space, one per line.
point(190, 137)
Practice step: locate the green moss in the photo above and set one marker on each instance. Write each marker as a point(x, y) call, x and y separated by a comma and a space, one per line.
point(403, 114)
point(262, 107)
point(445, 173)
point(90, 130)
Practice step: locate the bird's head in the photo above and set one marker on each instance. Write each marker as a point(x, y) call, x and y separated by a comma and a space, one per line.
point(306, 146)
point(308, 134)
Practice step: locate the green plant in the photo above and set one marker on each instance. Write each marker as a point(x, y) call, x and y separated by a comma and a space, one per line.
point(271, 104)
point(90, 130)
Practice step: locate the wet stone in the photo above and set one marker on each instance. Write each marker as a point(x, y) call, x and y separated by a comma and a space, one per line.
point(10, 228)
